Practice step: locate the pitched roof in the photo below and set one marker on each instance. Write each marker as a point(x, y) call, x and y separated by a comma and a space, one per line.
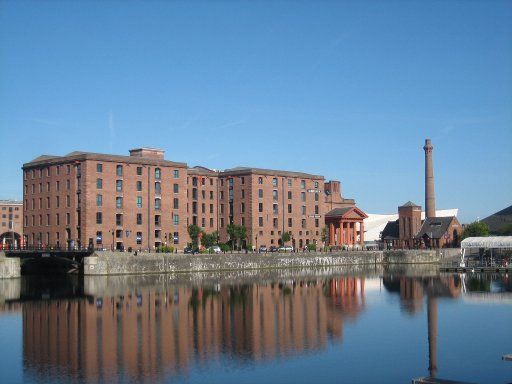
point(434, 227)
point(270, 172)
point(343, 211)
point(410, 204)
point(390, 231)
point(499, 219)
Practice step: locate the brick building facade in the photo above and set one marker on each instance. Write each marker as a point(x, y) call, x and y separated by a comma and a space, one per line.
point(11, 223)
point(142, 201)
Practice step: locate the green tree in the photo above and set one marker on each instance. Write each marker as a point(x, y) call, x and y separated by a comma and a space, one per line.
point(193, 232)
point(476, 229)
point(325, 235)
point(241, 233)
point(232, 232)
point(210, 239)
point(286, 237)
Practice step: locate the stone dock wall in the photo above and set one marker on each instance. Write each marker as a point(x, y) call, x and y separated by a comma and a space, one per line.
point(9, 267)
point(119, 263)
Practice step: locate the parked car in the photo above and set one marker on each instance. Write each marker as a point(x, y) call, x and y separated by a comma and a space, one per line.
point(285, 248)
point(272, 248)
point(215, 249)
point(190, 250)
point(263, 248)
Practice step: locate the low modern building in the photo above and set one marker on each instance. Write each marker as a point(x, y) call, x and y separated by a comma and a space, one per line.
point(143, 201)
point(11, 223)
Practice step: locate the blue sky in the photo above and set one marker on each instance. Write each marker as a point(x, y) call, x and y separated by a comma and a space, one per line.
point(349, 90)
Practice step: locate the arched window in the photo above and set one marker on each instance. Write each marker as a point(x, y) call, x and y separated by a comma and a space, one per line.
point(158, 173)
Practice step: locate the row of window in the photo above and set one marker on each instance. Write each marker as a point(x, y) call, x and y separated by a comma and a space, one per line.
point(48, 222)
point(48, 202)
point(275, 222)
point(10, 209)
point(48, 187)
point(32, 172)
point(138, 186)
point(138, 220)
point(119, 171)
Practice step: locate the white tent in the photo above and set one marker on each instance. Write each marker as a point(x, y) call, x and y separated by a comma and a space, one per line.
point(490, 242)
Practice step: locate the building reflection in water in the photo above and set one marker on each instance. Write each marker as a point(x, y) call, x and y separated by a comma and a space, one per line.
point(412, 292)
point(151, 333)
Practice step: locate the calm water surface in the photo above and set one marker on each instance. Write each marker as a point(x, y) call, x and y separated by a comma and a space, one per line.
point(380, 328)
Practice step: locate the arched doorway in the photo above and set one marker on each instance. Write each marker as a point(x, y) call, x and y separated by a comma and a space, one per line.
point(10, 240)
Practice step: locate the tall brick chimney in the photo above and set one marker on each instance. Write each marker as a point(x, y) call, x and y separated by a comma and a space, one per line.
point(430, 197)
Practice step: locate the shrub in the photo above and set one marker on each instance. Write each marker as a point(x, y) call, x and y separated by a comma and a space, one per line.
point(311, 247)
point(165, 249)
point(224, 247)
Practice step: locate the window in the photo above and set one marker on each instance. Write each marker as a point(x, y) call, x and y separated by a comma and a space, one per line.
point(303, 210)
point(119, 185)
point(203, 223)
point(99, 237)
point(274, 182)
point(303, 223)
point(316, 184)
point(68, 184)
point(158, 174)
point(99, 218)
point(68, 169)
point(242, 180)
point(194, 181)
point(119, 219)
point(57, 185)
point(138, 238)
point(274, 195)
point(99, 169)
point(139, 171)
point(290, 223)
point(194, 193)
point(176, 174)
point(211, 222)
point(222, 195)
point(260, 207)
point(68, 201)
point(47, 219)
point(139, 201)
point(260, 193)
point(176, 188)
point(176, 237)
point(211, 208)
point(158, 188)
point(230, 182)
point(316, 196)
point(260, 221)
point(119, 233)
point(242, 208)
point(203, 208)
point(57, 201)
point(289, 208)
point(58, 169)
point(158, 220)
point(194, 207)
point(139, 218)
point(303, 184)
point(289, 182)
point(176, 219)
point(119, 170)
point(40, 187)
point(158, 204)
point(99, 200)
point(242, 221)
point(243, 193)
point(57, 219)
point(175, 203)
point(260, 180)
point(274, 222)
point(222, 222)
point(48, 187)
point(317, 224)
point(222, 208)
point(275, 209)
point(303, 196)
point(119, 202)
point(99, 184)
point(211, 195)
point(47, 202)
point(203, 194)
point(289, 195)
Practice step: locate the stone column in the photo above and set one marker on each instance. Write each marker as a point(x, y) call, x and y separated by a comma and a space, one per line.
point(430, 200)
point(331, 234)
point(354, 234)
point(342, 232)
point(361, 231)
